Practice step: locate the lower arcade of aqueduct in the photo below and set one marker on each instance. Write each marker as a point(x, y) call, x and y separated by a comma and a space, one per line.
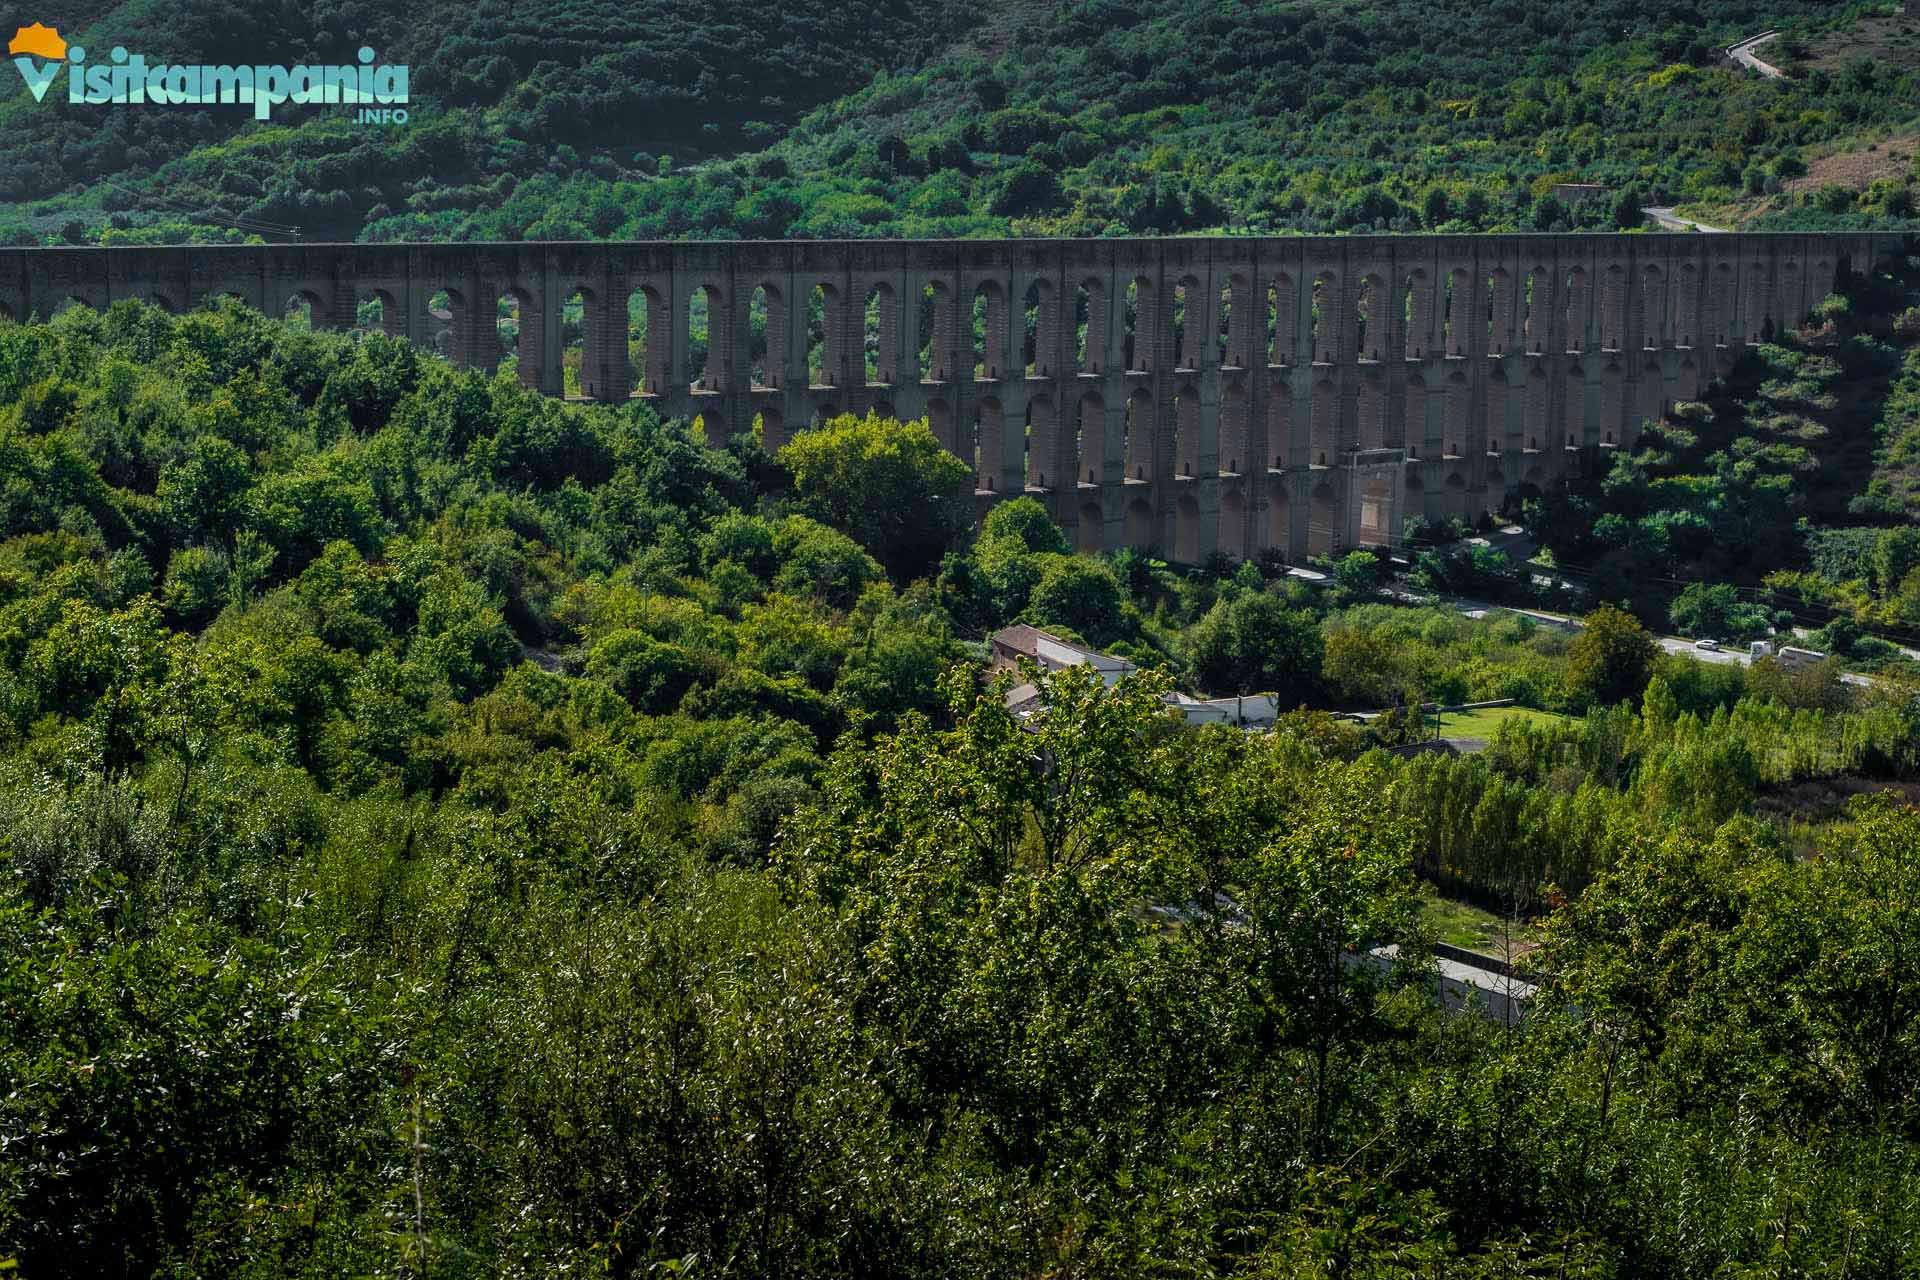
point(1128, 384)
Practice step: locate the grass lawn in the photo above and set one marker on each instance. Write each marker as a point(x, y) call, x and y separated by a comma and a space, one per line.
point(1482, 723)
point(1465, 925)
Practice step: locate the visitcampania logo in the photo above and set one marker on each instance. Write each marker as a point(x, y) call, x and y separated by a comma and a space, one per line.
point(129, 79)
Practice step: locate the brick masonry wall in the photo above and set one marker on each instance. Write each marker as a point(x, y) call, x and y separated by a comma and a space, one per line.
point(1193, 395)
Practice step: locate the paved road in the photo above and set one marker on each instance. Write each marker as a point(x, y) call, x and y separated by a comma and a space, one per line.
point(1670, 221)
point(1671, 644)
point(1674, 644)
point(1742, 53)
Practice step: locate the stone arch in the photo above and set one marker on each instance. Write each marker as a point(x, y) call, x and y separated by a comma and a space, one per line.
point(1690, 383)
point(773, 431)
point(1376, 512)
point(1138, 317)
point(1279, 518)
point(1457, 312)
point(1186, 530)
point(1653, 392)
point(1233, 524)
point(939, 348)
point(766, 337)
point(1454, 429)
point(1323, 444)
point(1686, 306)
point(1090, 325)
point(1371, 405)
point(1139, 530)
point(1613, 307)
point(1721, 317)
point(1280, 424)
point(516, 328)
point(879, 335)
point(989, 442)
point(823, 335)
point(303, 308)
point(1456, 494)
point(1536, 408)
point(989, 341)
point(383, 312)
point(1576, 312)
point(1500, 308)
point(578, 376)
point(1416, 309)
point(1240, 314)
point(1756, 302)
point(449, 320)
point(1090, 537)
point(1188, 323)
point(209, 299)
point(1653, 305)
point(649, 341)
point(1499, 392)
point(1234, 447)
point(1613, 396)
point(1186, 431)
point(1416, 414)
point(1140, 465)
point(1283, 302)
point(1536, 310)
point(1042, 468)
point(1576, 406)
point(1323, 533)
point(1496, 489)
point(1323, 317)
point(1370, 317)
point(1037, 331)
point(1790, 307)
point(940, 422)
point(1090, 439)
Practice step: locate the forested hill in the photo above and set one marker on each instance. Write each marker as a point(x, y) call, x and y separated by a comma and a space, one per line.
point(503, 91)
point(577, 120)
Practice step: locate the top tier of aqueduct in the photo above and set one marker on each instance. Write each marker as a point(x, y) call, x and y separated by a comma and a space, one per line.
point(1195, 394)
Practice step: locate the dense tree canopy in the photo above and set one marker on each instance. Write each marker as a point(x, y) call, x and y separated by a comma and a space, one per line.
point(445, 829)
point(545, 120)
point(898, 492)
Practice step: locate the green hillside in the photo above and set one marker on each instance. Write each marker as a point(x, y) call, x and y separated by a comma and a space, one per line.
point(503, 93)
point(1794, 488)
point(1111, 117)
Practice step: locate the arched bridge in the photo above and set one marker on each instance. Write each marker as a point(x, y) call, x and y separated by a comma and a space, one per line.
point(1230, 394)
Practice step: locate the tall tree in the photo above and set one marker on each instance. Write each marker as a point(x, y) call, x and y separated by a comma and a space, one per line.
point(888, 484)
point(1610, 660)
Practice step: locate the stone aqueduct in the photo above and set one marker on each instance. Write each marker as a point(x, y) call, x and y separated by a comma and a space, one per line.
point(1227, 394)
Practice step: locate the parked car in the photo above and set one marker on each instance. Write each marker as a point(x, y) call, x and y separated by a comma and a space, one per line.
point(1711, 646)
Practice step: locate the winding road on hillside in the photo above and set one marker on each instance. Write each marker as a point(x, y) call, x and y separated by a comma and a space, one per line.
point(1668, 220)
point(1743, 54)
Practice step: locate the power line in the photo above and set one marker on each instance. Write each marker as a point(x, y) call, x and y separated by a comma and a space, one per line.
point(1594, 579)
point(240, 223)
